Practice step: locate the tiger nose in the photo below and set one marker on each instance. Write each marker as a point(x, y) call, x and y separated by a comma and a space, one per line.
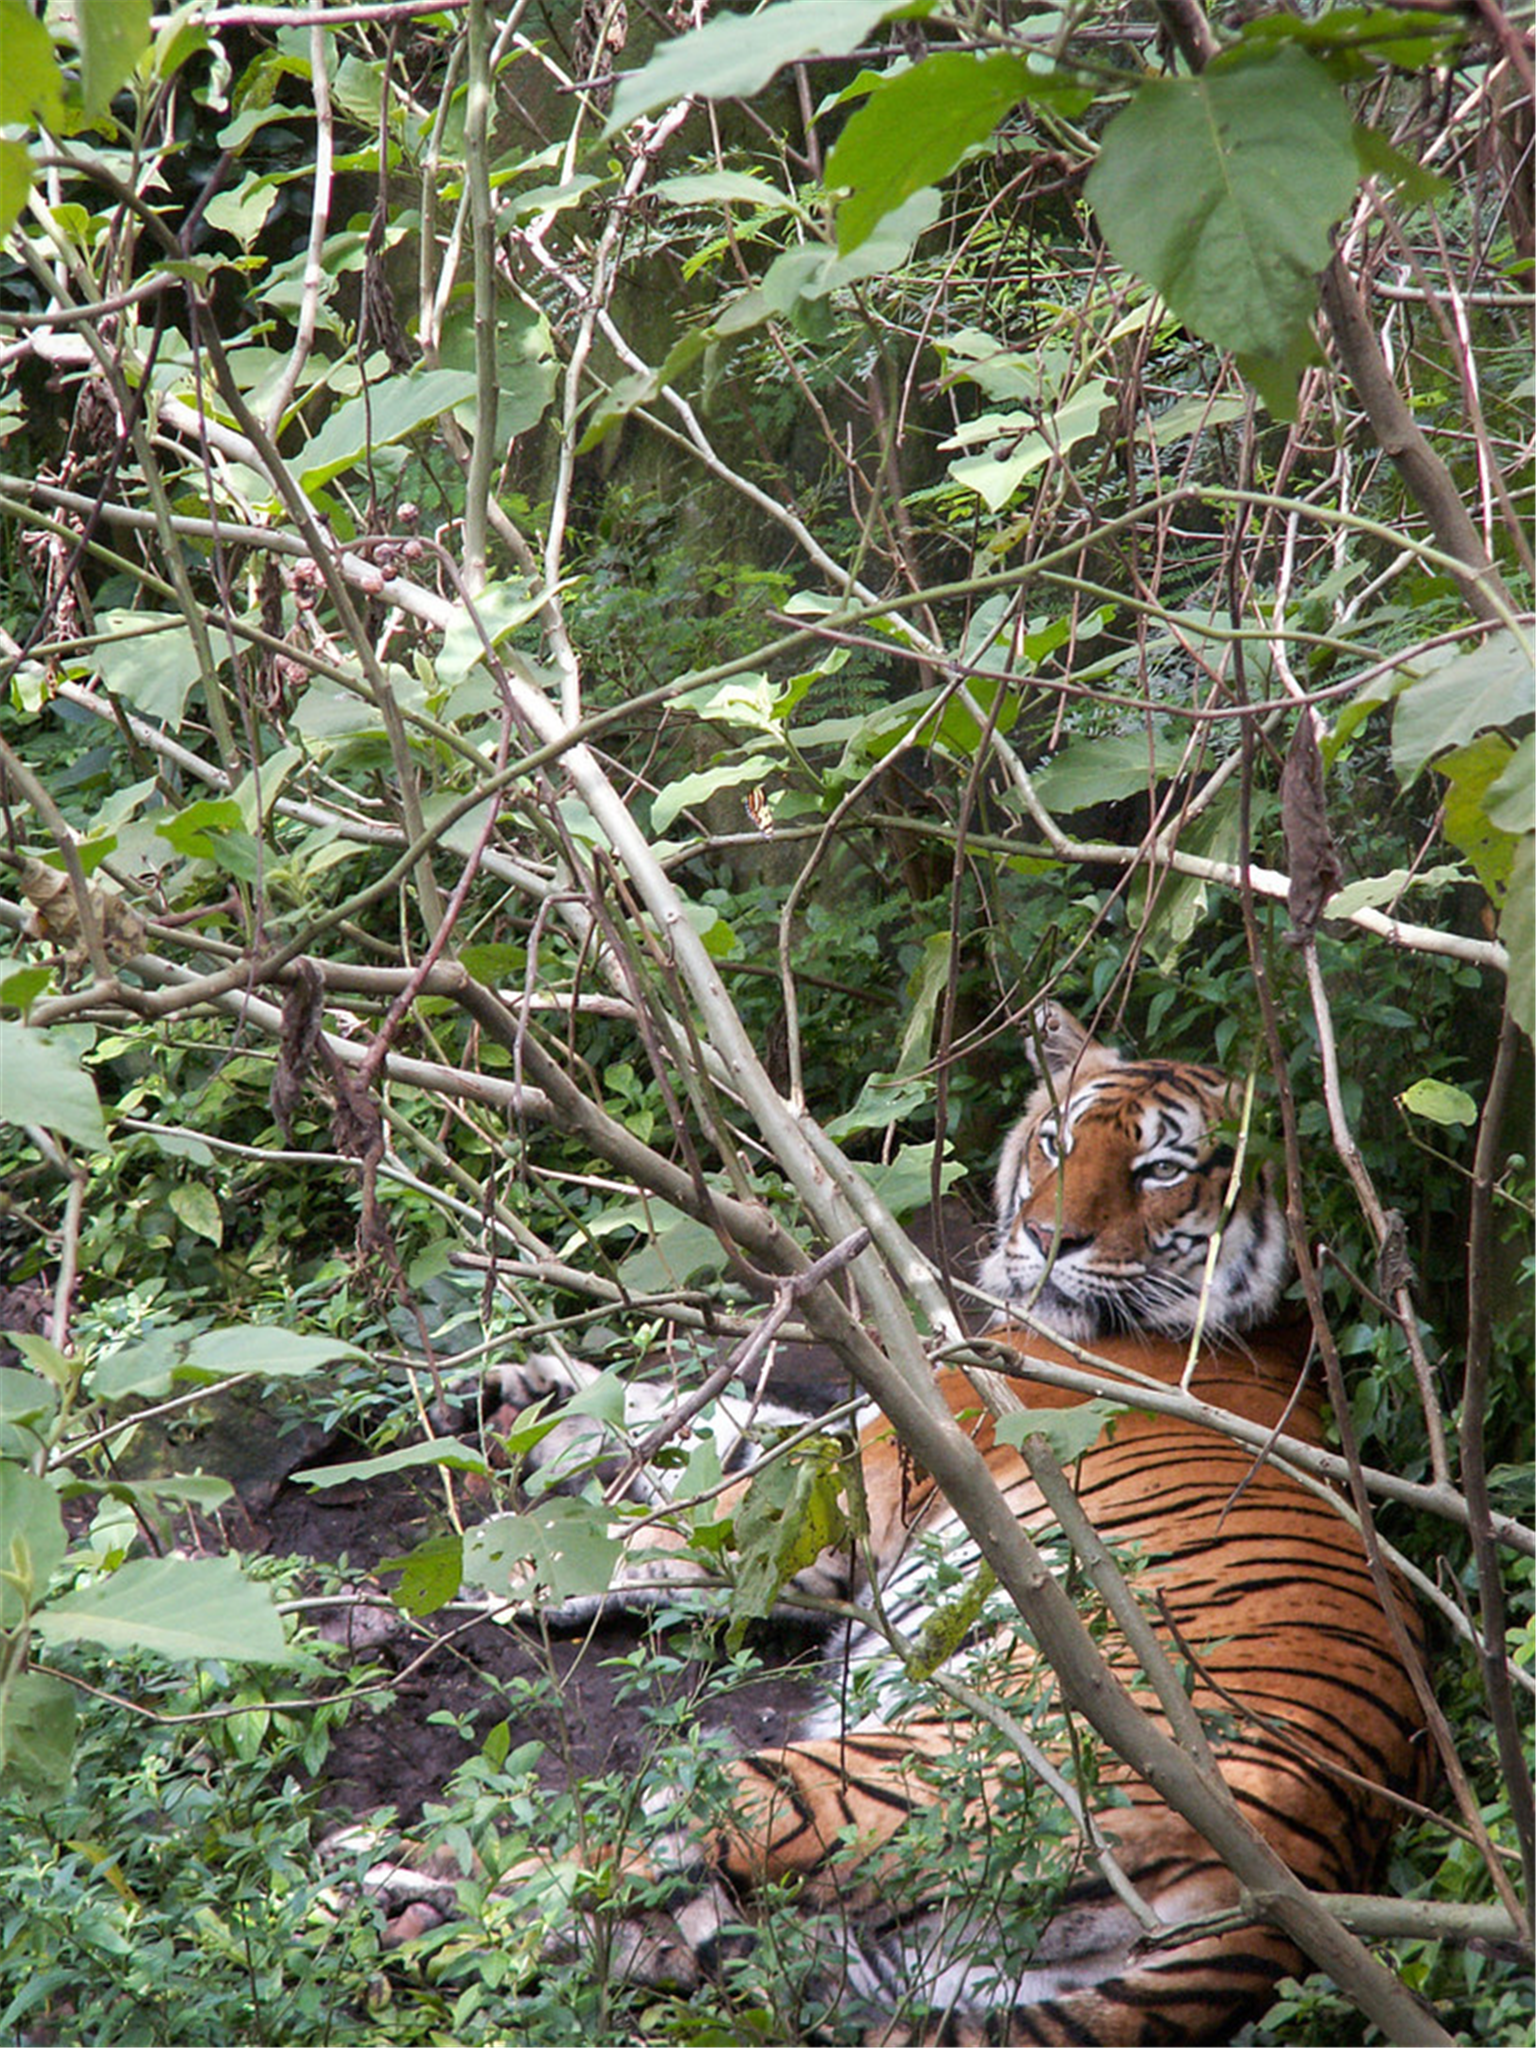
point(1045, 1237)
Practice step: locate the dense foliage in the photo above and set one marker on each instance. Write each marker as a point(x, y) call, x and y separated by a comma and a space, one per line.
point(590, 616)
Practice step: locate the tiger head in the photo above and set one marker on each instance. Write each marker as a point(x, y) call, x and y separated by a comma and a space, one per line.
point(1110, 1190)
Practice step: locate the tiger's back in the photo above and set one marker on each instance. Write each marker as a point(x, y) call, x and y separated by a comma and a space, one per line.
point(1261, 1594)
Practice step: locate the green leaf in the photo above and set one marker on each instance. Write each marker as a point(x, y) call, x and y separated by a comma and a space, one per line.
point(196, 1205)
point(439, 1450)
point(170, 1351)
point(915, 127)
point(1068, 1431)
point(677, 1250)
point(1374, 890)
point(15, 183)
point(114, 34)
point(1221, 191)
point(812, 271)
point(37, 1731)
point(791, 1514)
point(45, 1357)
point(1407, 176)
point(431, 1574)
point(28, 1405)
point(1022, 446)
point(30, 86)
point(188, 829)
point(41, 1082)
point(153, 666)
point(1440, 1102)
point(905, 1183)
point(497, 964)
point(393, 408)
point(1511, 800)
point(263, 1348)
point(693, 789)
point(1101, 771)
point(1470, 772)
point(567, 1543)
point(202, 1490)
point(174, 1607)
point(720, 188)
point(1491, 685)
point(32, 1541)
point(734, 55)
point(19, 991)
point(1517, 928)
point(499, 610)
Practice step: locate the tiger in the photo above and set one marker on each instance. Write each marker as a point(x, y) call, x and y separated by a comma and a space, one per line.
point(1120, 1224)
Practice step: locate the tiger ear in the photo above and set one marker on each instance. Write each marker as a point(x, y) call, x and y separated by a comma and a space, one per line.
point(1058, 1045)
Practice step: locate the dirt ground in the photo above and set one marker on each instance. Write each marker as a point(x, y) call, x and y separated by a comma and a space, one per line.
point(401, 1757)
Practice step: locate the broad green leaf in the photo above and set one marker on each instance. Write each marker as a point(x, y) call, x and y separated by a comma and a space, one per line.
point(176, 1607)
point(1517, 928)
point(256, 793)
point(1178, 907)
point(149, 1366)
point(499, 610)
point(883, 1100)
point(906, 1183)
point(19, 991)
point(693, 789)
point(498, 964)
point(144, 1367)
point(1023, 446)
point(264, 1348)
point(1470, 772)
point(734, 55)
point(45, 1357)
point(1068, 1431)
point(1375, 890)
point(1511, 800)
point(720, 188)
point(812, 271)
point(942, 719)
point(1492, 684)
point(431, 1574)
point(15, 183)
point(444, 1450)
point(30, 86)
point(1221, 191)
point(196, 1206)
point(114, 34)
point(676, 1251)
point(37, 1731)
point(1407, 176)
point(24, 1396)
point(41, 1082)
point(791, 1514)
point(914, 128)
point(567, 1543)
point(204, 1490)
point(32, 1541)
point(393, 408)
point(1101, 771)
point(1440, 1102)
point(153, 666)
point(188, 829)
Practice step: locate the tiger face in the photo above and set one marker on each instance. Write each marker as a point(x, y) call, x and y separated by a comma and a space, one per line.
point(1110, 1191)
